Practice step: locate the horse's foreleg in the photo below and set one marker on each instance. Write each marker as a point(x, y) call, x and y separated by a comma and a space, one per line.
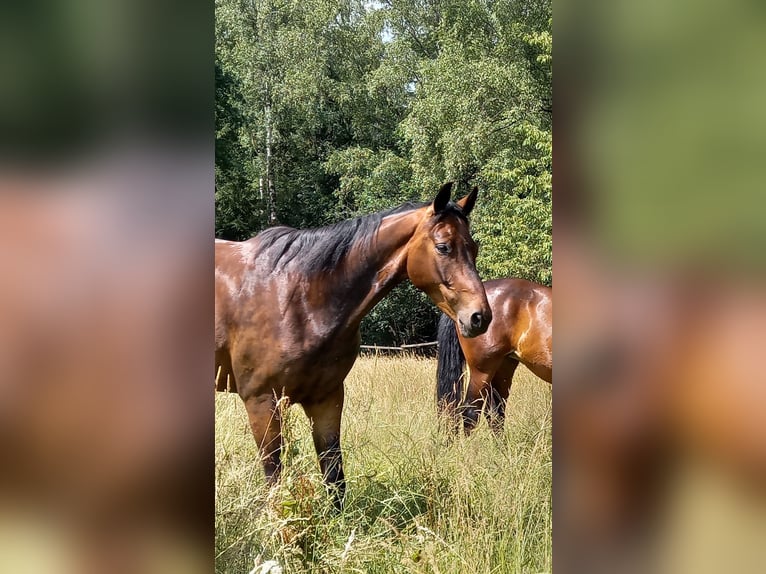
point(475, 400)
point(224, 374)
point(498, 395)
point(325, 423)
point(266, 424)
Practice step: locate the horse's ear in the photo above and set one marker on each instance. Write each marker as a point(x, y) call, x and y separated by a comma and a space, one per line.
point(466, 204)
point(442, 198)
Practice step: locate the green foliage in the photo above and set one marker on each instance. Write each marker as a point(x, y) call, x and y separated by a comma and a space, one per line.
point(369, 181)
point(366, 105)
point(405, 315)
point(239, 208)
point(514, 223)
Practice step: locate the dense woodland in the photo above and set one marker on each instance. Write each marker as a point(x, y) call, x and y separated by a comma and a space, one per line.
point(330, 109)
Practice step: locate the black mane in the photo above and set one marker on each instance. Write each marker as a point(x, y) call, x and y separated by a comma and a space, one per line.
point(321, 249)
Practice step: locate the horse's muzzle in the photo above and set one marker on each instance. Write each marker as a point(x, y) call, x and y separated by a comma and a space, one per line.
point(476, 324)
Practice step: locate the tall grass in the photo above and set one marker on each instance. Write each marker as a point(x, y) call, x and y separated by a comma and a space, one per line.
point(416, 502)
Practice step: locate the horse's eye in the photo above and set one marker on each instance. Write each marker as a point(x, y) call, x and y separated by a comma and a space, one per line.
point(443, 248)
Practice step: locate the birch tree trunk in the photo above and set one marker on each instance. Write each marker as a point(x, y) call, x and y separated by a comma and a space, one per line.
point(270, 189)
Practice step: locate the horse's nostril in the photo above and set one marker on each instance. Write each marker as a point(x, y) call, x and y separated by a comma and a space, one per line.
point(476, 320)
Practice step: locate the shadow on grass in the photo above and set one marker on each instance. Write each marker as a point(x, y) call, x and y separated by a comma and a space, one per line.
point(395, 503)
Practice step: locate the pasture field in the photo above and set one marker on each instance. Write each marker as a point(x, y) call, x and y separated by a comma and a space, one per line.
point(416, 502)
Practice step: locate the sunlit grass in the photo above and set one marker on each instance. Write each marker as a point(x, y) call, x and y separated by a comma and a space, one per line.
point(416, 501)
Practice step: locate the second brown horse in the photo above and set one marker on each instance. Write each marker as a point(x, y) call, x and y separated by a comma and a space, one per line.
point(520, 333)
point(288, 305)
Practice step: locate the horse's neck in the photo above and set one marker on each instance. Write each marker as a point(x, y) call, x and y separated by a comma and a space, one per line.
point(372, 270)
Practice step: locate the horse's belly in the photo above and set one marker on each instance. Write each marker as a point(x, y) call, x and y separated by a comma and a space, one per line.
point(304, 375)
point(321, 380)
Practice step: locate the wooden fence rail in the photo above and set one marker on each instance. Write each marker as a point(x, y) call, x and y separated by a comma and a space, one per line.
point(417, 347)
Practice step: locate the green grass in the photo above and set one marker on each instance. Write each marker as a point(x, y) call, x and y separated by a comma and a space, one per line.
point(416, 501)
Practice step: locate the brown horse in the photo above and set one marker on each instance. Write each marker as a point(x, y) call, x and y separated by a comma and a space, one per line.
point(288, 305)
point(520, 333)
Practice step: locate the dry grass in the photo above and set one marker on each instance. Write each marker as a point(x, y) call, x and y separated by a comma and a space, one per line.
point(416, 501)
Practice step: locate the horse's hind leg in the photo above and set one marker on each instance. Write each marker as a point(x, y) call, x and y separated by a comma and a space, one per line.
point(497, 400)
point(325, 429)
point(266, 424)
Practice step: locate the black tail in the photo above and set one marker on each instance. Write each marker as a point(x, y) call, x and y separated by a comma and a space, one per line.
point(449, 369)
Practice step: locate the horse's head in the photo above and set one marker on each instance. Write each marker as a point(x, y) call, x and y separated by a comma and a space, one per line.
point(442, 262)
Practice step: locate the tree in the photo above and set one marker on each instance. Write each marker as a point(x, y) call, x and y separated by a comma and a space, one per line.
point(329, 109)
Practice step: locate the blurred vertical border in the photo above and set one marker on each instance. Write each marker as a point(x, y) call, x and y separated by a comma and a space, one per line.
point(659, 140)
point(106, 220)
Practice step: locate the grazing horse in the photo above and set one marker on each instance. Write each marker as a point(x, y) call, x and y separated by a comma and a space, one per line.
point(288, 305)
point(520, 333)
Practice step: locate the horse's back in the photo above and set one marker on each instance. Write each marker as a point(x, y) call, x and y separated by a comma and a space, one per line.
point(514, 288)
point(522, 313)
point(518, 301)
